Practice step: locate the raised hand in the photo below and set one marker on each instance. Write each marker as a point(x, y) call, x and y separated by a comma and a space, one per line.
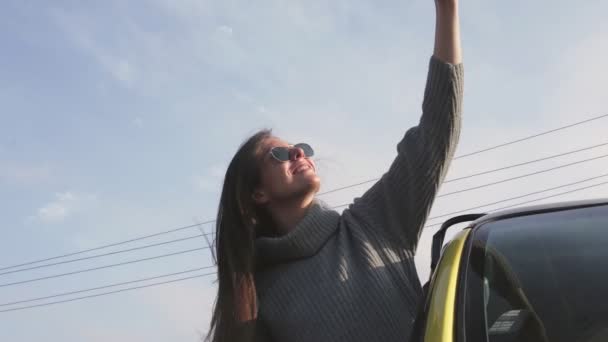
point(447, 32)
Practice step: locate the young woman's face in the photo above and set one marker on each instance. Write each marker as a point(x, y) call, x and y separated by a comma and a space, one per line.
point(285, 180)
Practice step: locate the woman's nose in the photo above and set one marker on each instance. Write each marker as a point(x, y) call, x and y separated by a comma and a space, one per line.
point(296, 153)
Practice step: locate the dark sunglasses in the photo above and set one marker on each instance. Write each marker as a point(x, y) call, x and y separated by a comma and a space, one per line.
point(284, 154)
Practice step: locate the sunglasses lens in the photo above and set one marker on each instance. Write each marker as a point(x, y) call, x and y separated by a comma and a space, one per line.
point(280, 153)
point(283, 153)
point(308, 151)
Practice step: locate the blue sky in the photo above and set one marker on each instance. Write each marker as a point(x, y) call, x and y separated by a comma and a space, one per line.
point(118, 120)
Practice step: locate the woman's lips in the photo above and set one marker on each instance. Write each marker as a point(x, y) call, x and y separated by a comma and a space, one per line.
point(301, 168)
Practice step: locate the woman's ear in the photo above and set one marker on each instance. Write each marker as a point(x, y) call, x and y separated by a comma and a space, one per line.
point(259, 197)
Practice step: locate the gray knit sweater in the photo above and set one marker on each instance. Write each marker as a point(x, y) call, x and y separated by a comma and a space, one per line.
point(351, 276)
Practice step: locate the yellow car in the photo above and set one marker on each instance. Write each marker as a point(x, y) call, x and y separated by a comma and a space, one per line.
point(532, 274)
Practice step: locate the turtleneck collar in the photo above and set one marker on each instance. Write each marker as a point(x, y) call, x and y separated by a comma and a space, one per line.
point(305, 240)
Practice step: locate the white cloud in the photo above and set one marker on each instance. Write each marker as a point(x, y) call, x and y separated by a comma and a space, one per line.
point(120, 69)
point(227, 30)
point(58, 209)
point(61, 207)
point(138, 122)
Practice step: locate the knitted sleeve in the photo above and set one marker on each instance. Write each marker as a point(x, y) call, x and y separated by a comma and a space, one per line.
point(399, 203)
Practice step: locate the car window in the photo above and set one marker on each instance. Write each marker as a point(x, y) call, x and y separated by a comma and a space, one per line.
point(540, 278)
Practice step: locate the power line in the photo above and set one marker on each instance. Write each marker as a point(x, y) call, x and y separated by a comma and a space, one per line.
point(101, 267)
point(324, 193)
point(505, 200)
point(525, 163)
point(517, 197)
point(172, 274)
point(535, 200)
point(102, 255)
point(335, 207)
point(110, 245)
point(492, 148)
point(108, 293)
point(532, 136)
point(522, 176)
point(348, 186)
point(208, 274)
point(552, 196)
point(104, 287)
point(435, 217)
point(196, 236)
point(479, 173)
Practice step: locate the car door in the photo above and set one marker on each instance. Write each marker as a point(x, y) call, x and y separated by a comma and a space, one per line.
point(436, 320)
point(538, 276)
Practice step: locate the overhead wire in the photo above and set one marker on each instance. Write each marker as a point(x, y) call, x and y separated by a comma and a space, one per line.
point(531, 136)
point(505, 180)
point(490, 149)
point(104, 286)
point(511, 166)
point(100, 267)
point(534, 200)
point(517, 197)
point(525, 163)
point(361, 183)
point(109, 245)
point(211, 221)
point(103, 255)
point(108, 293)
point(521, 176)
point(213, 273)
point(335, 207)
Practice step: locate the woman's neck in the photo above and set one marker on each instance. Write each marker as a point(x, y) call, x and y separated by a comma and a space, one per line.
point(287, 214)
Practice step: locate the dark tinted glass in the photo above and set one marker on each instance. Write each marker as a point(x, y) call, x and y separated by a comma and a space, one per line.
point(540, 278)
point(283, 153)
point(308, 151)
point(280, 153)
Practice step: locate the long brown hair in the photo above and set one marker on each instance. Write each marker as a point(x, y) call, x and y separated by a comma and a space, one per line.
point(238, 220)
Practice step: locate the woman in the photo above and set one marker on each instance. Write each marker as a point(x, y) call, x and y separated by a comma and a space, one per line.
point(290, 269)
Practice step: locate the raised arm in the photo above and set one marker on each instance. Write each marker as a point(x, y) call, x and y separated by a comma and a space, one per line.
point(398, 205)
point(447, 32)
